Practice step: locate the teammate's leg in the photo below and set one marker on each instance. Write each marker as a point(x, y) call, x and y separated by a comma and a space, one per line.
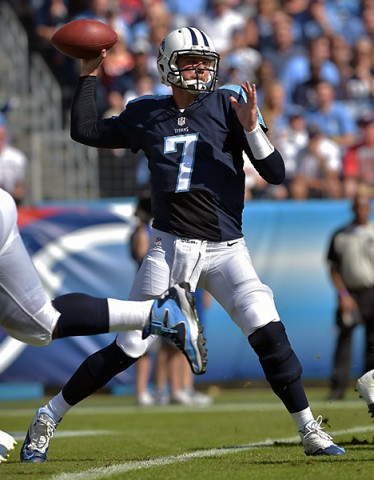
point(7, 443)
point(173, 317)
point(365, 388)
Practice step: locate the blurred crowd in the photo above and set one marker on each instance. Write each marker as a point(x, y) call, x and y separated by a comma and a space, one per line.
point(312, 62)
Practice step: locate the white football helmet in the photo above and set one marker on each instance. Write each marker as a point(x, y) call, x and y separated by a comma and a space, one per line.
point(187, 41)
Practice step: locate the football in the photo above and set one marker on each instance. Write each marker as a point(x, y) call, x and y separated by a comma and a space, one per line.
point(84, 38)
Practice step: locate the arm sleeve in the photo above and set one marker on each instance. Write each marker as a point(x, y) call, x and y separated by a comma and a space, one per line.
point(271, 168)
point(85, 127)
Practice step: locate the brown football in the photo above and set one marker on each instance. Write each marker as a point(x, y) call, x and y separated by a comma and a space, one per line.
point(84, 38)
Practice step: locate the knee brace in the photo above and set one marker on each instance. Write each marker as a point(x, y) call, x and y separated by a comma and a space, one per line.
point(278, 360)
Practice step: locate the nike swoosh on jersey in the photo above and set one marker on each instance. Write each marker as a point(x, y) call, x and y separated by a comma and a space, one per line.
point(230, 244)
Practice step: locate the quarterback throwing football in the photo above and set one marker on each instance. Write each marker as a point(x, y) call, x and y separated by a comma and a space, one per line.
point(194, 141)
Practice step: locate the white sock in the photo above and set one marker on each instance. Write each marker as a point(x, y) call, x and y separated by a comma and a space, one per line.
point(128, 315)
point(57, 407)
point(303, 417)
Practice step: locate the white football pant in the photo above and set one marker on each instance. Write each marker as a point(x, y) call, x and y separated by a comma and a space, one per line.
point(224, 269)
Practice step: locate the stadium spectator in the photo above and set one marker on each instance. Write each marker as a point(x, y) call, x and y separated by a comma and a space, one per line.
point(360, 82)
point(118, 61)
point(265, 10)
point(274, 109)
point(49, 16)
point(241, 62)
point(283, 46)
point(351, 263)
point(155, 12)
point(305, 93)
point(341, 55)
point(332, 116)
point(126, 82)
point(265, 75)
point(290, 142)
point(318, 168)
point(220, 22)
point(315, 21)
point(13, 167)
point(358, 161)
point(297, 69)
point(186, 13)
point(347, 18)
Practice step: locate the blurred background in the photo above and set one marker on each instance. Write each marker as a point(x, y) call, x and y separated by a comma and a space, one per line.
point(307, 57)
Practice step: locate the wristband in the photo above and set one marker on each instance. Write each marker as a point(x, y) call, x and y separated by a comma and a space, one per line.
point(259, 143)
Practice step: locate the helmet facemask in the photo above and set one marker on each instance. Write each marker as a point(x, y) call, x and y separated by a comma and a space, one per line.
point(194, 85)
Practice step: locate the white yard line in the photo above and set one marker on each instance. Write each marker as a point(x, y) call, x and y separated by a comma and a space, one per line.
point(106, 472)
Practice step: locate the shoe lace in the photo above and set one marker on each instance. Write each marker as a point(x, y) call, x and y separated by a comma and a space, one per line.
point(41, 434)
point(314, 428)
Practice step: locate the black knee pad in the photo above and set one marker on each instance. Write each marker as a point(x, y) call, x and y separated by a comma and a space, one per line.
point(278, 360)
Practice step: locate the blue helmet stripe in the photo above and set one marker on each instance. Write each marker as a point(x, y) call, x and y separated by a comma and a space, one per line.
point(195, 40)
point(193, 36)
point(206, 43)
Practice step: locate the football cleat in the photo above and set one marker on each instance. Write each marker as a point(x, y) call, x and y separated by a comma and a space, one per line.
point(365, 388)
point(7, 443)
point(174, 317)
point(39, 434)
point(318, 442)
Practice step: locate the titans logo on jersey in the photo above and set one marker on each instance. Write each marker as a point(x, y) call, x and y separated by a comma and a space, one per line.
point(195, 157)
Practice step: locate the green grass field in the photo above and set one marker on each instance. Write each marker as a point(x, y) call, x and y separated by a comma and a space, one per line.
point(245, 434)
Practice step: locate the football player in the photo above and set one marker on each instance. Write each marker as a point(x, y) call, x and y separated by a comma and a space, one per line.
point(365, 388)
point(27, 313)
point(194, 141)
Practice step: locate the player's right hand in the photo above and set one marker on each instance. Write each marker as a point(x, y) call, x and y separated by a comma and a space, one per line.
point(90, 66)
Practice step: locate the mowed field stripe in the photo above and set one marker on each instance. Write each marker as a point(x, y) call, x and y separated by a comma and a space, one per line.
point(108, 471)
point(20, 436)
point(224, 407)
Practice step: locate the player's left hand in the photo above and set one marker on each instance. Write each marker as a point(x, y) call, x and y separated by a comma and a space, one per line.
point(247, 113)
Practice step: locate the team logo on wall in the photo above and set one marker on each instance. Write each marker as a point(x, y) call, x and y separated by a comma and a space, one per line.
point(10, 349)
point(78, 249)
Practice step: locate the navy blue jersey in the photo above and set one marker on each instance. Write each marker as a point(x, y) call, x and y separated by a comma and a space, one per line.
point(195, 157)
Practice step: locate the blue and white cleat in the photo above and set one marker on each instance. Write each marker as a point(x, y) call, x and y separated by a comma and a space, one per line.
point(174, 317)
point(365, 388)
point(318, 442)
point(39, 434)
point(7, 443)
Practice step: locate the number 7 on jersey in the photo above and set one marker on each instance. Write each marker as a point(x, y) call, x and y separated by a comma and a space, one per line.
point(187, 160)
